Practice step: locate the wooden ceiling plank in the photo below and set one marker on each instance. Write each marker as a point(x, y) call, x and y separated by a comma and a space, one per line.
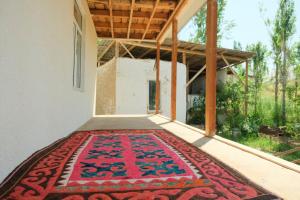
point(170, 5)
point(162, 16)
point(151, 17)
point(153, 27)
point(130, 18)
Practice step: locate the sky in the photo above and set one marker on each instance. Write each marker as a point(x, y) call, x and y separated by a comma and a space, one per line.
point(249, 24)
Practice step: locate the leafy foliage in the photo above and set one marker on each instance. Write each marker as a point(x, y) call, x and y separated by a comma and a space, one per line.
point(223, 29)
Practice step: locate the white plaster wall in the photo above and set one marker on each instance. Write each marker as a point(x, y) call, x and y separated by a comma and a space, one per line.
point(132, 87)
point(38, 103)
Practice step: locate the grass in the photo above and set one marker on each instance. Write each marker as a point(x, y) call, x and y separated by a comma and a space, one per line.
point(264, 143)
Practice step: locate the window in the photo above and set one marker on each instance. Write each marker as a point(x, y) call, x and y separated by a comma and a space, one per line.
point(152, 94)
point(77, 62)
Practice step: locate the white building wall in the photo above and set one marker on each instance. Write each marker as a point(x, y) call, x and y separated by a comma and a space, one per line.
point(132, 87)
point(38, 103)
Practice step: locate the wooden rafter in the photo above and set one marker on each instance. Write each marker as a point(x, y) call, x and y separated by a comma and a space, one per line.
point(227, 63)
point(145, 53)
point(111, 18)
point(127, 50)
point(181, 50)
point(130, 49)
point(150, 19)
point(195, 76)
point(105, 50)
point(130, 17)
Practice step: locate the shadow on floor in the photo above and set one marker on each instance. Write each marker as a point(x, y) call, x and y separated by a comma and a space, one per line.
point(201, 141)
point(103, 123)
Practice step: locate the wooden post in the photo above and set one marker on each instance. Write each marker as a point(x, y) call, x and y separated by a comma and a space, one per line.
point(246, 88)
point(157, 95)
point(117, 48)
point(174, 69)
point(211, 64)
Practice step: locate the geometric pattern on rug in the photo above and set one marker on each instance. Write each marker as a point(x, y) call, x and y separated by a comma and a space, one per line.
point(126, 164)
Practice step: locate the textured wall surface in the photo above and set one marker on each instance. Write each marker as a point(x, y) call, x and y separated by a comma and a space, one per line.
point(38, 104)
point(106, 89)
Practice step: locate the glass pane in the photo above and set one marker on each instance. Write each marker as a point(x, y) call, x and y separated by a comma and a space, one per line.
point(78, 60)
point(77, 15)
point(152, 93)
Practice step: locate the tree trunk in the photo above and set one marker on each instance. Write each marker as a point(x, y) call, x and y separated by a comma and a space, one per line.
point(284, 81)
point(276, 95)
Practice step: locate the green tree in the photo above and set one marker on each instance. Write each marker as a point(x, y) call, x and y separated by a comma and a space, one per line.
point(200, 23)
point(286, 19)
point(276, 50)
point(259, 69)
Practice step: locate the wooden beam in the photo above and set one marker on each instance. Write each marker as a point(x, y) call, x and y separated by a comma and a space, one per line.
point(104, 52)
point(130, 17)
point(169, 22)
point(130, 48)
point(184, 58)
point(127, 50)
point(230, 67)
point(117, 48)
point(246, 89)
point(174, 69)
point(111, 18)
point(181, 50)
point(145, 53)
point(195, 76)
point(123, 14)
point(106, 25)
point(149, 22)
point(157, 95)
point(136, 36)
point(168, 5)
point(211, 65)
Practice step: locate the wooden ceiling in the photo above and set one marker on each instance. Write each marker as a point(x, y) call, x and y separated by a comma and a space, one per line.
point(132, 19)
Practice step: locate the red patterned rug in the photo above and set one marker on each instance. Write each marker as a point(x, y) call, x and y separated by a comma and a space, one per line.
point(125, 164)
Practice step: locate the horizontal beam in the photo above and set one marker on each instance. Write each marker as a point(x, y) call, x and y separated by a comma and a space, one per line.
point(181, 50)
point(106, 34)
point(106, 25)
point(140, 4)
point(126, 14)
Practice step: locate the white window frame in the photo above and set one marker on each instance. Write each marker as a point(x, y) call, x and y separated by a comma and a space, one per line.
point(76, 29)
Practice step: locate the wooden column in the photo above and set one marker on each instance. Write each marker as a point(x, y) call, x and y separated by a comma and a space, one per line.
point(157, 94)
point(246, 89)
point(174, 69)
point(117, 48)
point(211, 64)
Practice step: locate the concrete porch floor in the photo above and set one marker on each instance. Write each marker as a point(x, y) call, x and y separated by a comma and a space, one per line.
point(274, 174)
